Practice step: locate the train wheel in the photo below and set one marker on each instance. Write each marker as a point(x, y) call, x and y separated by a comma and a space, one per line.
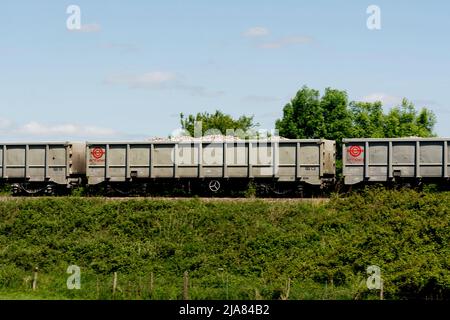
point(300, 191)
point(280, 190)
point(50, 190)
point(122, 190)
point(214, 186)
point(263, 189)
point(16, 190)
point(28, 189)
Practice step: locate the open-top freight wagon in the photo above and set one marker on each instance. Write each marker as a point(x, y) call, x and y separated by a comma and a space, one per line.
point(408, 161)
point(42, 168)
point(274, 166)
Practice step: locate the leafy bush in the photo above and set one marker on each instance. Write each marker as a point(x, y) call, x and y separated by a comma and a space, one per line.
point(243, 249)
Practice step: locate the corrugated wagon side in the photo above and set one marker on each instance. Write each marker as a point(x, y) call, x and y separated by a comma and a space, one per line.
point(398, 159)
point(41, 168)
point(311, 162)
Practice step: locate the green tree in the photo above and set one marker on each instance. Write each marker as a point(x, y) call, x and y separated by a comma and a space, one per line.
point(303, 117)
point(336, 115)
point(405, 121)
point(337, 119)
point(367, 120)
point(332, 117)
point(426, 120)
point(216, 123)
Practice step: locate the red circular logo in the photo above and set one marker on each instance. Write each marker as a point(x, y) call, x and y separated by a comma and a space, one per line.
point(97, 153)
point(355, 151)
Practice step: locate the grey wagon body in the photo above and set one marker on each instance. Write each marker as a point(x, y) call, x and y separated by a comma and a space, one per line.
point(381, 160)
point(309, 161)
point(53, 162)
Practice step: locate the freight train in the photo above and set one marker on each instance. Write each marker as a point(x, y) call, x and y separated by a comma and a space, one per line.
point(273, 166)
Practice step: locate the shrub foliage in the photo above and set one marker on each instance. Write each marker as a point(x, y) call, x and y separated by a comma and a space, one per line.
point(247, 249)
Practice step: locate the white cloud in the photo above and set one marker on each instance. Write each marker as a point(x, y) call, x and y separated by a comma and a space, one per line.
point(155, 79)
point(5, 124)
point(256, 32)
point(199, 90)
point(88, 28)
point(160, 80)
point(59, 131)
point(386, 99)
point(34, 128)
point(286, 41)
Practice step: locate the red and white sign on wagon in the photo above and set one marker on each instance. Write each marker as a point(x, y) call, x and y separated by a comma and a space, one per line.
point(355, 153)
point(97, 154)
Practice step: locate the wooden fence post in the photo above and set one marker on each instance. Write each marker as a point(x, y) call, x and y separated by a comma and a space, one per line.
point(114, 283)
point(97, 288)
point(186, 286)
point(285, 295)
point(381, 290)
point(35, 277)
point(151, 283)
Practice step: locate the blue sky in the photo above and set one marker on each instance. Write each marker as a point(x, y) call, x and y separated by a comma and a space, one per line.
point(135, 65)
